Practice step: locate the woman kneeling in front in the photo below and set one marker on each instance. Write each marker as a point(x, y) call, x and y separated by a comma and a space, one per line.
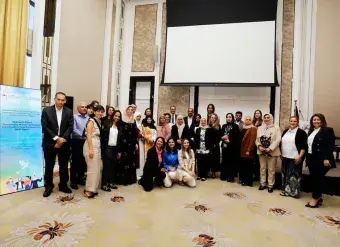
point(153, 172)
point(170, 162)
point(186, 169)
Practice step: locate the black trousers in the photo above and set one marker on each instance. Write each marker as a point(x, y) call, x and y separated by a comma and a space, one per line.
point(256, 170)
point(317, 172)
point(150, 178)
point(246, 170)
point(203, 165)
point(50, 154)
point(110, 161)
point(78, 164)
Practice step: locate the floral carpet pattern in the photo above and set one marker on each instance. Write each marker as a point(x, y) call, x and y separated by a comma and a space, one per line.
point(214, 214)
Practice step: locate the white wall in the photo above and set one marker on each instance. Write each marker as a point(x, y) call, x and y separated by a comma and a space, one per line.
point(232, 99)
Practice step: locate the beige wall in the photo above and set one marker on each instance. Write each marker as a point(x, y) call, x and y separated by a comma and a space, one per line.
point(327, 62)
point(81, 50)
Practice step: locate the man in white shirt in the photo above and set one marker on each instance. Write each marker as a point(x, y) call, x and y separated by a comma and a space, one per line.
point(189, 120)
point(57, 125)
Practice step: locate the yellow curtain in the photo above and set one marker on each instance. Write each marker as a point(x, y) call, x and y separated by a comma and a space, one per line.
point(13, 39)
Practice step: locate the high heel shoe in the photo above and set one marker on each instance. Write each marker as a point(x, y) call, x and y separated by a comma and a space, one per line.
point(310, 206)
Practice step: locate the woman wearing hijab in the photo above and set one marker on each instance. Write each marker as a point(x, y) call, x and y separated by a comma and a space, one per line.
point(293, 147)
point(153, 172)
point(180, 131)
point(127, 169)
point(267, 142)
point(203, 145)
point(247, 152)
point(230, 148)
point(215, 162)
point(163, 129)
point(140, 152)
point(149, 134)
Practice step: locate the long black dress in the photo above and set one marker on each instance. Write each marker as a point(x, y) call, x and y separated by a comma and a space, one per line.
point(230, 152)
point(215, 156)
point(126, 170)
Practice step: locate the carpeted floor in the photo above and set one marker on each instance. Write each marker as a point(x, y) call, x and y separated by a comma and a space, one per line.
point(214, 214)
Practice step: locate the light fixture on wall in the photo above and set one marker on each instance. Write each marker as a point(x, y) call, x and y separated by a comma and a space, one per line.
point(155, 54)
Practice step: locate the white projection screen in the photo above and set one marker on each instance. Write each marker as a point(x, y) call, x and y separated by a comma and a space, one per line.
point(220, 42)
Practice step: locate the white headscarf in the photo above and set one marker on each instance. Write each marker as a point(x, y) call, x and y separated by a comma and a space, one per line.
point(138, 123)
point(180, 127)
point(126, 118)
point(206, 119)
point(271, 123)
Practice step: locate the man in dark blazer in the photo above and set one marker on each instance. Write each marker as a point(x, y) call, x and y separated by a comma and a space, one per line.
point(190, 122)
point(173, 115)
point(57, 126)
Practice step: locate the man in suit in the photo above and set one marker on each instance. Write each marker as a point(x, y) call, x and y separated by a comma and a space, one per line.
point(238, 119)
point(57, 126)
point(173, 114)
point(190, 122)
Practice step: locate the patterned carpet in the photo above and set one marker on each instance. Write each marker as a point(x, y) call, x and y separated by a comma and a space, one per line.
point(214, 214)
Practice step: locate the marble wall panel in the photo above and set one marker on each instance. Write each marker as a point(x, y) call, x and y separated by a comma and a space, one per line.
point(144, 38)
point(287, 62)
point(167, 95)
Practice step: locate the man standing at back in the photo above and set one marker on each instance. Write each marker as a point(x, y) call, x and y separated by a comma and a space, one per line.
point(78, 164)
point(238, 119)
point(57, 126)
point(173, 117)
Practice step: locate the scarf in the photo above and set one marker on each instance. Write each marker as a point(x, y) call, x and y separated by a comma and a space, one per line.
point(138, 123)
point(159, 152)
point(271, 123)
point(203, 118)
point(180, 127)
point(248, 126)
point(126, 118)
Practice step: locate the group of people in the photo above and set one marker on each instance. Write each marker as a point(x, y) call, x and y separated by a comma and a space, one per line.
point(122, 148)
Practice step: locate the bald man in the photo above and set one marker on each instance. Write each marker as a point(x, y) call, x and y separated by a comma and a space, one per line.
point(78, 164)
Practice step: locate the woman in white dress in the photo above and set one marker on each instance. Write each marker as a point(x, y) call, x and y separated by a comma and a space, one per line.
point(138, 119)
point(186, 168)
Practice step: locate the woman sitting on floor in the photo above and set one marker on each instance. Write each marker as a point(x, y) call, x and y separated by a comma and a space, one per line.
point(170, 162)
point(186, 169)
point(153, 172)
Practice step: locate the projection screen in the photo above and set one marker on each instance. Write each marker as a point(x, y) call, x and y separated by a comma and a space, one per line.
point(220, 42)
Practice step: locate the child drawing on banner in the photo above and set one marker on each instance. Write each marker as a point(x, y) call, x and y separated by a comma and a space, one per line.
point(10, 185)
point(27, 183)
point(35, 181)
point(20, 184)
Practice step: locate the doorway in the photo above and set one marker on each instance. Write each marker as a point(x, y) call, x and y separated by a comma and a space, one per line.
point(142, 92)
